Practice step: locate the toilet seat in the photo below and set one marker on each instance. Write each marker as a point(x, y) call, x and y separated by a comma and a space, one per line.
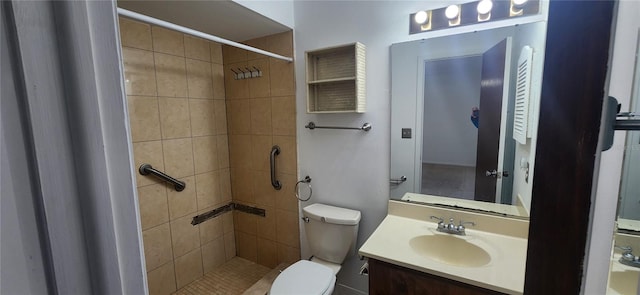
point(304, 277)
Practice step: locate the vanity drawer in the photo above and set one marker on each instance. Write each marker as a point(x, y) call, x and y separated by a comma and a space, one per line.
point(386, 278)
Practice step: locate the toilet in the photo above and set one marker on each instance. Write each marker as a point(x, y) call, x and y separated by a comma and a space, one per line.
point(331, 233)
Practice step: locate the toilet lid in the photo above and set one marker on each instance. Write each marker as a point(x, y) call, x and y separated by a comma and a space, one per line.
point(303, 277)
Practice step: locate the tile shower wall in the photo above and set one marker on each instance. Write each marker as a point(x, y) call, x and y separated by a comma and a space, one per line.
point(176, 101)
point(261, 113)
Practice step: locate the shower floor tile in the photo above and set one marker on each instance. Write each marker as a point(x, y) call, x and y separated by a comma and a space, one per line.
point(233, 277)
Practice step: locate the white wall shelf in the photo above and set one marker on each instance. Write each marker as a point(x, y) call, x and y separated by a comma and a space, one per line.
point(336, 79)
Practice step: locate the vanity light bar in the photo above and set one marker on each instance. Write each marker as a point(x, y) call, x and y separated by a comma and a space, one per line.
point(472, 13)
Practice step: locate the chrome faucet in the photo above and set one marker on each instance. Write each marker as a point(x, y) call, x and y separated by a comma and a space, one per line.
point(627, 257)
point(451, 228)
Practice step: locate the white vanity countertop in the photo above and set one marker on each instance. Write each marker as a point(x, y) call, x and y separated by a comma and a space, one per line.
point(623, 279)
point(503, 238)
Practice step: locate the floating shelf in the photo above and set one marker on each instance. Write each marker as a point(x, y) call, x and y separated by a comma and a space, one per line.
point(336, 79)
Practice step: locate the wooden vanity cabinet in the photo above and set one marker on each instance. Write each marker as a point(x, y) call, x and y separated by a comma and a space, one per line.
point(386, 278)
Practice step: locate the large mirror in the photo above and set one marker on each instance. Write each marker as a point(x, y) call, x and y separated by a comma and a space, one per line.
point(464, 116)
point(624, 275)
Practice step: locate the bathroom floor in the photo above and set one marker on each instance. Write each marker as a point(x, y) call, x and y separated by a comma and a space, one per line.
point(448, 180)
point(234, 277)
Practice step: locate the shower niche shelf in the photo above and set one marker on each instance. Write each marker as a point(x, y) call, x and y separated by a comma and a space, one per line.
point(336, 79)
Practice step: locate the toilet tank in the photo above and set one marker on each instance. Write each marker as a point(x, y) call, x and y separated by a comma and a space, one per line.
point(331, 231)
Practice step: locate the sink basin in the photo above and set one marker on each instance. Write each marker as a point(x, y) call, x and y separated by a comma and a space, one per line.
point(450, 249)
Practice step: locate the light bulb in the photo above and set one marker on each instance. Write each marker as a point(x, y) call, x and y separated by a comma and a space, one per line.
point(452, 11)
point(421, 17)
point(519, 2)
point(485, 6)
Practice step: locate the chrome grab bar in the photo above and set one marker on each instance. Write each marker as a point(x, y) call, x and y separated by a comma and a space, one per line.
point(146, 169)
point(398, 180)
point(275, 150)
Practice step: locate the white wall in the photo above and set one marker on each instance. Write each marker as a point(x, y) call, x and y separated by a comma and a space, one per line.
point(280, 11)
point(452, 88)
point(608, 181)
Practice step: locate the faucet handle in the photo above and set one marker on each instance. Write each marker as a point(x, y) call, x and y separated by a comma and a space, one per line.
point(441, 225)
point(462, 223)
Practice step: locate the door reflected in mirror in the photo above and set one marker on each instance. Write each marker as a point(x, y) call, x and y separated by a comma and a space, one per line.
point(459, 95)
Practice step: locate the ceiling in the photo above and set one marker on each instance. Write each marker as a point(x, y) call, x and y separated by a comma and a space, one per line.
point(222, 18)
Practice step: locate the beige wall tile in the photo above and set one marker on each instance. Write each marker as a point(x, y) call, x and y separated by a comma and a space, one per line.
point(261, 146)
point(235, 89)
point(167, 41)
point(207, 190)
point(174, 117)
point(261, 116)
point(184, 236)
point(221, 116)
point(245, 222)
point(283, 115)
point(222, 142)
point(229, 245)
point(172, 75)
point(154, 209)
point(217, 78)
point(240, 151)
point(216, 52)
point(184, 202)
point(225, 185)
point(287, 160)
point(260, 43)
point(203, 121)
point(188, 268)
point(267, 253)
point(178, 157)
point(241, 185)
point(135, 34)
point(285, 198)
point(139, 72)
point(211, 229)
point(162, 280)
point(247, 246)
point(287, 254)
point(205, 154)
point(281, 43)
point(199, 79)
point(263, 192)
point(233, 54)
point(196, 48)
point(149, 152)
point(227, 222)
point(239, 116)
point(144, 118)
point(282, 79)
point(260, 86)
point(213, 254)
point(267, 225)
point(157, 246)
point(287, 230)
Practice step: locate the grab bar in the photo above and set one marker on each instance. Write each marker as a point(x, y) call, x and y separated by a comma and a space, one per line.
point(365, 127)
point(275, 150)
point(146, 169)
point(398, 180)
